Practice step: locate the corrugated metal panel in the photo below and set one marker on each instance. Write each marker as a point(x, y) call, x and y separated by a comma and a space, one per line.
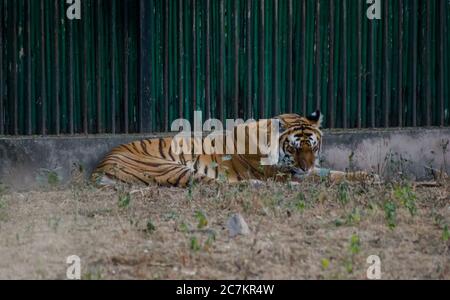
point(136, 65)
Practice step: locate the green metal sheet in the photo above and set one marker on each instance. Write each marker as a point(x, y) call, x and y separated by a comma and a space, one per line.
point(107, 27)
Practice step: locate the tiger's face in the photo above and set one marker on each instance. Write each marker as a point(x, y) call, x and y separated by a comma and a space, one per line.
point(300, 142)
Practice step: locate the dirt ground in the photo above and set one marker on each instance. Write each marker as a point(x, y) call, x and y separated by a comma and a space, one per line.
point(315, 230)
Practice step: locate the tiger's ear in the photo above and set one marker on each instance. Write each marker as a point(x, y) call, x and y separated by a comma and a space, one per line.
point(316, 118)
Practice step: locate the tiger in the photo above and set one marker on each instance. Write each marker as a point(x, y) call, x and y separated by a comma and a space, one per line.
point(155, 161)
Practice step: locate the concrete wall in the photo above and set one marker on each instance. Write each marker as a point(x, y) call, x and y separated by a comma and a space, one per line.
point(26, 162)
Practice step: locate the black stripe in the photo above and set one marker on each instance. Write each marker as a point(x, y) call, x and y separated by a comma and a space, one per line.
point(144, 147)
point(143, 181)
point(137, 161)
point(197, 160)
point(127, 147)
point(135, 148)
point(173, 176)
point(182, 159)
point(170, 153)
point(216, 167)
point(181, 176)
point(239, 178)
point(131, 152)
point(160, 147)
point(252, 169)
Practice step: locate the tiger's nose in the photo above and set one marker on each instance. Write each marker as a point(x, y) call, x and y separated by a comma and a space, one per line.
point(305, 160)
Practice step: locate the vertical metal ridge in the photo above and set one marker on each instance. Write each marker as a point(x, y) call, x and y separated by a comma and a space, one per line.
point(427, 54)
point(29, 125)
point(303, 57)
point(441, 66)
point(345, 67)
point(387, 73)
point(56, 68)
point(84, 83)
point(249, 61)
point(98, 68)
point(400, 64)
point(126, 54)
point(371, 57)
point(275, 96)
point(146, 50)
point(414, 62)
point(318, 63)
point(261, 61)
point(180, 60)
point(2, 121)
point(194, 55)
point(221, 61)
point(208, 61)
point(43, 75)
point(15, 70)
point(360, 69)
point(71, 78)
point(290, 58)
point(113, 66)
point(330, 108)
point(140, 67)
point(166, 66)
point(236, 59)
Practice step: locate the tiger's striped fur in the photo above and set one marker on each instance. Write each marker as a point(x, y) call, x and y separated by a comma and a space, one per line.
point(153, 160)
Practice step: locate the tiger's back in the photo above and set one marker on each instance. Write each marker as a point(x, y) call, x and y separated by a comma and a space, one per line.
point(154, 160)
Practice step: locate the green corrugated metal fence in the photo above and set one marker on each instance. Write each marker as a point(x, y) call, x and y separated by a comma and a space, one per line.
point(134, 66)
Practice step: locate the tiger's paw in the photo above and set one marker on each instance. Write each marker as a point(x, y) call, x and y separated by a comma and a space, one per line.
point(104, 181)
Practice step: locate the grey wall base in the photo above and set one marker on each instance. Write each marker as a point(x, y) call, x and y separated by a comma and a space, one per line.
point(26, 161)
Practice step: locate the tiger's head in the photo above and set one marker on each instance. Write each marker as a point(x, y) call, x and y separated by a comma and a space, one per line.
point(300, 142)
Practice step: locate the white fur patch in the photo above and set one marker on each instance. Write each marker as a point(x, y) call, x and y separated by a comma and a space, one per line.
point(106, 181)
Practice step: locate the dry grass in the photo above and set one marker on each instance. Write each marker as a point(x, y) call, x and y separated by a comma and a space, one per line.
point(298, 232)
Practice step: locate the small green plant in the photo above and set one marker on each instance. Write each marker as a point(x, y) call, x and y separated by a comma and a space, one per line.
point(150, 228)
point(53, 178)
point(191, 186)
point(325, 264)
point(407, 198)
point(343, 193)
point(202, 221)
point(348, 267)
point(195, 245)
point(355, 244)
point(46, 177)
point(445, 233)
point(184, 227)
point(124, 200)
point(300, 203)
point(338, 222)
point(354, 217)
point(390, 210)
point(172, 215)
point(438, 219)
point(210, 240)
point(95, 275)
